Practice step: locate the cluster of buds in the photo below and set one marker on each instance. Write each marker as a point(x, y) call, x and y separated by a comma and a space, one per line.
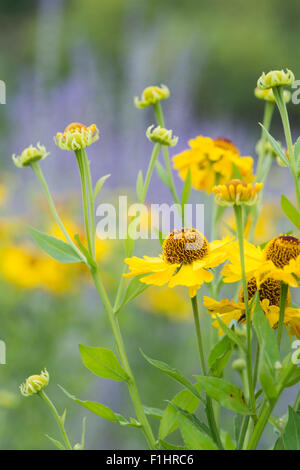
point(34, 383)
point(237, 192)
point(268, 95)
point(151, 95)
point(275, 78)
point(161, 136)
point(30, 155)
point(77, 136)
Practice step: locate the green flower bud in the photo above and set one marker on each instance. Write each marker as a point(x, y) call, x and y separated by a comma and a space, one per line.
point(77, 136)
point(161, 136)
point(151, 95)
point(239, 365)
point(268, 95)
point(30, 155)
point(34, 383)
point(275, 78)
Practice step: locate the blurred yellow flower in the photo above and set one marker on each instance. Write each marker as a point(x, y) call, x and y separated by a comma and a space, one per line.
point(167, 302)
point(3, 194)
point(151, 95)
point(212, 161)
point(186, 260)
point(236, 192)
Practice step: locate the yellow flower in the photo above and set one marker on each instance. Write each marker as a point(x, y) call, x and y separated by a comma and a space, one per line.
point(211, 161)
point(275, 78)
point(236, 192)
point(77, 136)
point(3, 194)
point(167, 302)
point(161, 136)
point(30, 155)
point(35, 383)
point(151, 95)
point(269, 293)
point(186, 260)
point(268, 95)
point(280, 259)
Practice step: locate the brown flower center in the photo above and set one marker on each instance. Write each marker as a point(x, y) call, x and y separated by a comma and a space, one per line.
point(184, 246)
point(269, 289)
point(282, 249)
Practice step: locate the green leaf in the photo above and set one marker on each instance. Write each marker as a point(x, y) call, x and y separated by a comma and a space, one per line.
point(54, 247)
point(167, 446)
point(227, 441)
point(99, 185)
point(139, 186)
point(134, 289)
point(163, 175)
point(193, 438)
point(276, 146)
point(269, 354)
point(154, 412)
point(219, 356)
point(187, 187)
point(102, 362)
point(56, 442)
point(166, 369)
point(291, 435)
point(102, 410)
point(193, 419)
point(297, 150)
point(231, 334)
point(290, 211)
point(294, 378)
point(187, 401)
point(225, 393)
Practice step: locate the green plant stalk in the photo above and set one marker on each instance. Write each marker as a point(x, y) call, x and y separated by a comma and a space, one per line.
point(278, 93)
point(240, 233)
point(283, 297)
point(38, 171)
point(89, 186)
point(268, 113)
point(160, 121)
point(267, 410)
point(209, 407)
point(132, 388)
point(79, 156)
point(58, 419)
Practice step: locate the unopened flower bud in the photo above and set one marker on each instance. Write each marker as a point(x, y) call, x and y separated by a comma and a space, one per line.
point(268, 95)
point(239, 365)
point(161, 136)
point(30, 155)
point(237, 192)
point(77, 136)
point(151, 95)
point(34, 383)
point(275, 78)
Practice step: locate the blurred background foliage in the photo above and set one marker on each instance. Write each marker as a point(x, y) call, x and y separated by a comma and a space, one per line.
point(74, 60)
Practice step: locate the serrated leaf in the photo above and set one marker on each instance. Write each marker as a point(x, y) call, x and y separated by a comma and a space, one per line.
point(275, 146)
point(187, 401)
point(54, 247)
point(193, 438)
point(57, 443)
point(174, 373)
point(163, 175)
point(99, 185)
point(291, 435)
point(225, 393)
point(102, 362)
point(290, 211)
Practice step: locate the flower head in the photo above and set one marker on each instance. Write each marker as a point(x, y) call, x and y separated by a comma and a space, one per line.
point(30, 155)
point(268, 95)
point(77, 136)
point(275, 78)
point(186, 260)
point(237, 192)
point(210, 161)
point(34, 383)
point(151, 95)
point(161, 136)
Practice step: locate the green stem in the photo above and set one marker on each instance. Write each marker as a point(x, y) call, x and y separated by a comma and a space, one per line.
point(210, 411)
point(240, 233)
point(160, 121)
point(133, 391)
point(268, 113)
point(283, 297)
point(87, 173)
point(80, 161)
point(37, 169)
point(58, 418)
point(278, 93)
point(155, 153)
